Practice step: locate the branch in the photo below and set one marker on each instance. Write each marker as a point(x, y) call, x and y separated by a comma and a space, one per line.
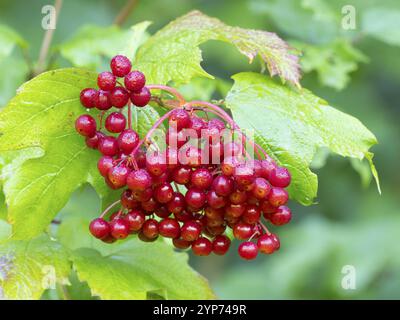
point(125, 12)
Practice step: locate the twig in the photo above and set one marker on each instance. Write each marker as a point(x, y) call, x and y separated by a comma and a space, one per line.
point(48, 36)
point(125, 12)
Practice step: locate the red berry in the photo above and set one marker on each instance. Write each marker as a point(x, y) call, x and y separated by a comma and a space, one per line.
point(179, 119)
point(88, 97)
point(244, 174)
point(181, 244)
point(135, 220)
point(169, 228)
point(115, 122)
point(243, 231)
point(119, 97)
point(248, 250)
point(201, 178)
point(162, 212)
point(102, 100)
point(261, 188)
point(195, 198)
point(235, 210)
point(279, 177)
point(222, 185)
point(221, 245)
point(190, 231)
point(181, 175)
point(164, 193)
point(202, 247)
point(183, 216)
point(139, 180)
point(108, 146)
point(233, 149)
point(128, 140)
point(119, 228)
point(128, 201)
point(99, 228)
point(118, 175)
point(106, 81)
point(156, 164)
point(141, 98)
point(85, 125)
point(190, 156)
point(229, 165)
point(266, 244)
point(238, 196)
point(267, 165)
point(93, 142)
point(214, 200)
point(177, 203)
point(150, 206)
point(197, 124)
point(282, 216)
point(104, 164)
point(251, 215)
point(120, 65)
point(150, 229)
point(278, 196)
point(135, 81)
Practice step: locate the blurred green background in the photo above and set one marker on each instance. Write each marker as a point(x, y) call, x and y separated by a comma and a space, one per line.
point(357, 71)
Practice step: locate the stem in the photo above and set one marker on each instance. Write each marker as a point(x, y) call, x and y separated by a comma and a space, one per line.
point(48, 37)
point(130, 116)
point(125, 12)
point(172, 91)
point(265, 228)
point(150, 132)
point(109, 208)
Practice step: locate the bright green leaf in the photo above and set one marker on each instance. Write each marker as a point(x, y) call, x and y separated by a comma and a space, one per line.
point(173, 52)
point(291, 125)
point(138, 268)
point(29, 267)
point(89, 46)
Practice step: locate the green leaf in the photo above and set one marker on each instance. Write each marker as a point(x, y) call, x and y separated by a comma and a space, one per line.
point(173, 52)
point(333, 62)
point(291, 125)
point(89, 46)
point(27, 268)
point(382, 24)
point(42, 116)
point(138, 268)
point(8, 40)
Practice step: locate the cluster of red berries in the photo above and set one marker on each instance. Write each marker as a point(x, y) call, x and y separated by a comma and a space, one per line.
point(181, 192)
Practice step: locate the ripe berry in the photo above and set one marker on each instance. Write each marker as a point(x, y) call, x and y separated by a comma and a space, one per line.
point(169, 228)
point(177, 203)
point(85, 125)
point(183, 216)
point(93, 142)
point(120, 65)
point(221, 245)
point(102, 100)
point(267, 165)
point(267, 208)
point(118, 175)
point(190, 231)
point(282, 216)
point(278, 196)
point(106, 81)
point(150, 229)
point(197, 124)
point(119, 228)
point(229, 165)
point(135, 81)
point(150, 206)
point(267, 244)
point(233, 149)
point(181, 244)
point(139, 180)
point(214, 200)
point(162, 212)
point(135, 220)
point(176, 139)
point(128, 140)
point(128, 201)
point(164, 193)
point(108, 146)
point(195, 198)
point(261, 188)
point(115, 122)
point(181, 175)
point(99, 228)
point(243, 231)
point(202, 247)
point(119, 97)
point(222, 185)
point(156, 164)
point(201, 178)
point(251, 215)
point(190, 156)
point(88, 97)
point(279, 177)
point(180, 119)
point(238, 197)
point(104, 164)
point(248, 250)
point(235, 210)
point(244, 174)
